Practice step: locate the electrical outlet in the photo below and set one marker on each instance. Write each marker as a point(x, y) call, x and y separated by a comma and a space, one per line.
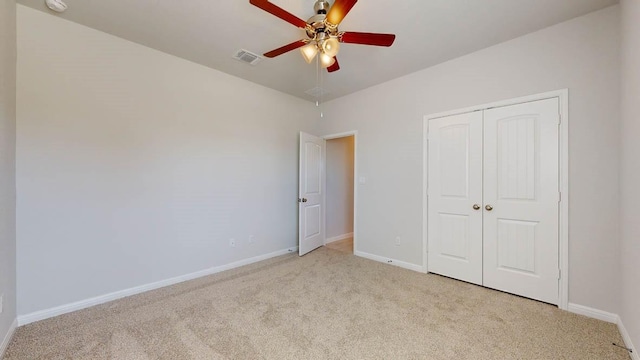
point(252, 239)
point(1, 302)
point(398, 241)
point(232, 242)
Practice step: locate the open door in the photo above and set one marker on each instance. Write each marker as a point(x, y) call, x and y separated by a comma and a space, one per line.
point(311, 193)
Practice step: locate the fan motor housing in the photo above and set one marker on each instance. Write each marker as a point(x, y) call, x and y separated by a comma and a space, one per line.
point(317, 25)
point(321, 7)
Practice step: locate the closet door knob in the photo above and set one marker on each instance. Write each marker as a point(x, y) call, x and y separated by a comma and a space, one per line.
point(476, 207)
point(489, 207)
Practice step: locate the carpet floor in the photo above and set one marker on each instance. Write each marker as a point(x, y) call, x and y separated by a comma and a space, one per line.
point(325, 305)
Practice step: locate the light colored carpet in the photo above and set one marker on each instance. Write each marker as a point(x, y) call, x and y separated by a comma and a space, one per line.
point(345, 245)
point(325, 305)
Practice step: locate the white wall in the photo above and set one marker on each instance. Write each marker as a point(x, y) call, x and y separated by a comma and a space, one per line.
point(339, 206)
point(135, 166)
point(630, 168)
point(582, 55)
point(7, 166)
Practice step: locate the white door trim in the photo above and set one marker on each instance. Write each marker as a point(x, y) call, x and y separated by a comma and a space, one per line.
point(563, 97)
point(353, 133)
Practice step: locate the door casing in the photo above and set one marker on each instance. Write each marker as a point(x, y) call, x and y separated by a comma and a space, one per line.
point(563, 236)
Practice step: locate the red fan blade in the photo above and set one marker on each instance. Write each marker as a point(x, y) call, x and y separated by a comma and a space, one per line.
point(279, 12)
point(368, 38)
point(281, 50)
point(339, 10)
point(335, 66)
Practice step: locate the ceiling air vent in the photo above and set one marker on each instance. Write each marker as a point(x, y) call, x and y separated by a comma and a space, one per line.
point(317, 92)
point(247, 56)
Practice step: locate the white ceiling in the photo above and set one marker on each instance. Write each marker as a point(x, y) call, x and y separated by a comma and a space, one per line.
point(428, 32)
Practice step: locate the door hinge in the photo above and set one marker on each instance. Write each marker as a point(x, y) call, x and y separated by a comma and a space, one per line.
point(559, 119)
point(559, 274)
point(559, 196)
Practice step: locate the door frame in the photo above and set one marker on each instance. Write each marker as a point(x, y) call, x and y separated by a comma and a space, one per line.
point(563, 221)
point(353, 133)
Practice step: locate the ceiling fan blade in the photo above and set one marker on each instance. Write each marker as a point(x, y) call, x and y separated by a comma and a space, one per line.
point(367, 38)
point(285, 49)
point(279, 12)
point(334, 67)
point(339, 10)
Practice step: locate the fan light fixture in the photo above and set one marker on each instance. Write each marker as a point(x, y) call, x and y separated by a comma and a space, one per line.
point(326, 60)
point(328, 50)
point(331, 47)
point(309, 51)
point(323, 37)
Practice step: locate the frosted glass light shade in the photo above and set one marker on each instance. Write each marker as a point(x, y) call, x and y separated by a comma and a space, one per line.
point(326, 60)
point(309, 51)
point(331, 47)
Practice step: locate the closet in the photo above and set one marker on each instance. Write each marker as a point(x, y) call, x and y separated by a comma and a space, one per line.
point(493, 198)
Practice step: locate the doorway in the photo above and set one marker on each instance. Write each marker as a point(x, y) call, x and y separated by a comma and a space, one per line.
point(340, 192)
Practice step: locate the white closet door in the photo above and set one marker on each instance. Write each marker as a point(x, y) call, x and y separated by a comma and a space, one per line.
point(455, 186)
point(521, 195)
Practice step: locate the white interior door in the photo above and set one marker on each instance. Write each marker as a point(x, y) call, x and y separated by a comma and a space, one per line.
point(521, 195)
point(311, 193)
point(455, 197)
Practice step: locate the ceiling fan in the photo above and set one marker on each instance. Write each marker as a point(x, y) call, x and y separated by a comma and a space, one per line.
point(323, 36)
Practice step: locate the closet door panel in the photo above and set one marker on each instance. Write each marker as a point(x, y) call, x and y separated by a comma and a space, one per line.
point(455, 186)
point(521, 196)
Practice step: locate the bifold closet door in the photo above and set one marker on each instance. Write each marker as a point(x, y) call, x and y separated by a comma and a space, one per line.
point(521, 195)
point(455, 197)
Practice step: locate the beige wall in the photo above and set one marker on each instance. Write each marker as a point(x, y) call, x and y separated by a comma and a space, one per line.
point(582, 55)
point(630, 169)
point(7, 166)
point(339, 206)
point(136, 166)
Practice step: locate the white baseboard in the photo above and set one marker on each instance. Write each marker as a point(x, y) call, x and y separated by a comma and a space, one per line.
point(338, 238)
point(7, 339)
point(385, 260)
point(608, 317)
point(593, 313)
point(627, 340)
point(83, 304)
